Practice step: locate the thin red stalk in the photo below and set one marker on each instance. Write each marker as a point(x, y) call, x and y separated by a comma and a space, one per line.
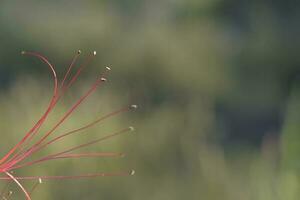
point(86, 155)
point(80, 129)
point(69, 150)
point(74, 78)
point(21, 149)
point(11, 177)
point(94, 175)
point(18, 152)
point(42, 119)
point(95, 85)
point(69, 113)
point(55, 100)
point(64, 79)
point(69, 69)
point(72, 156)
point(92, 142)
point(90, 155)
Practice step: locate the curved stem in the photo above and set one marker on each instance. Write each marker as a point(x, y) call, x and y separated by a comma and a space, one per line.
point(19, 184)
point(43, 118)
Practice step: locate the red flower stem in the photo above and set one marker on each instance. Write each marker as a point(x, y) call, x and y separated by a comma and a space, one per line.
point(58, 124)
point(69, 150)
point(81, 68)
point(69, 69)
point(90, 155)
point(21, 148)
point(42, 119)
point(28, 153)
point(94, 175)
point(95, 85)
point(20, 152)
point(63, 90)
point(82, 155)
point(80, 129)
point(55, 100)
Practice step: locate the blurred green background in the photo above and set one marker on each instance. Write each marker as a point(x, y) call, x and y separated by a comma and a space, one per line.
point(217, 83)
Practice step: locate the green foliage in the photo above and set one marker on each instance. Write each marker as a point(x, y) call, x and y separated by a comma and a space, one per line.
point(215, 81)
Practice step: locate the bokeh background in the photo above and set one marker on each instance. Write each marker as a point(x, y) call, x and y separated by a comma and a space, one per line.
point(217, 83)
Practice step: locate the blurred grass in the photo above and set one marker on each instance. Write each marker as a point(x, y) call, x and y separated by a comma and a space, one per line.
point(216, 82)
point(170, 159)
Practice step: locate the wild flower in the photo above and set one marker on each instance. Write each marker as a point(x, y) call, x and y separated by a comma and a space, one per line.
point(35, 140)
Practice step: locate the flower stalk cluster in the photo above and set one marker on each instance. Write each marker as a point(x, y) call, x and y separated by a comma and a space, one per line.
point(35, 140)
